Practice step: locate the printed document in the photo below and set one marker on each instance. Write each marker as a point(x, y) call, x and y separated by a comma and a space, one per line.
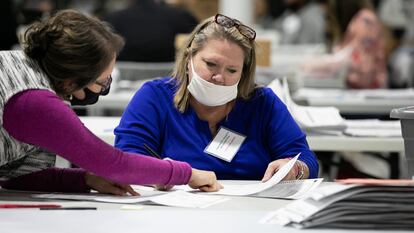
point(249, 189)
point(291, 189)
point(176, 198)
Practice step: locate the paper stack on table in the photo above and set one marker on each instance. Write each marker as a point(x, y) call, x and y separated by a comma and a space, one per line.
point(373, 128)
point(361, 204)
point(308, 118)
point(327, 120)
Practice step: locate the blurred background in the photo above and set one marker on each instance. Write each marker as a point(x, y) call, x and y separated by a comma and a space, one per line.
point(353, 53)
point(380, 31)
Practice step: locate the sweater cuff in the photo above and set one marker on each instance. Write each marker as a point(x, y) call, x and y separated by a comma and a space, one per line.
point(180, 173)
point(76, 178)
point(50, 180)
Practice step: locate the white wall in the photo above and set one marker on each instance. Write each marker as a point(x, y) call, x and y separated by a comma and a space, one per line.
point(242, 10)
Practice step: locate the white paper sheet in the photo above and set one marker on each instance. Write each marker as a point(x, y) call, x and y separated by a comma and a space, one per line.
point(176, 198)
point(248, 189)
point(291, 189)
point(181, 198)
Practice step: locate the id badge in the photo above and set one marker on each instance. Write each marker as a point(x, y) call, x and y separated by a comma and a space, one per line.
point(225, 144)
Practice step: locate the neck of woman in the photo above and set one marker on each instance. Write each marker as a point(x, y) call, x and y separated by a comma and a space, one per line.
point(213, 115)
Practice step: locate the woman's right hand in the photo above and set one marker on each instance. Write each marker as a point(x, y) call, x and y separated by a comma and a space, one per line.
point(103, 185)
point(204, 180)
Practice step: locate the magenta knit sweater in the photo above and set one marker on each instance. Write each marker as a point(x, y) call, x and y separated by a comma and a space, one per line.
point(41, 118)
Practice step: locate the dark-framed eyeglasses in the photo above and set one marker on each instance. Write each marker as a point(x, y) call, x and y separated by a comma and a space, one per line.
point(228, 22)
point(105, 85)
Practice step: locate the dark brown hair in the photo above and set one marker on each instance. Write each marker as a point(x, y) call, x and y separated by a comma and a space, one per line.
point(70, 46)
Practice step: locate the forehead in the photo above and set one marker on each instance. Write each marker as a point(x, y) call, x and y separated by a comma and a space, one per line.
point(222, 49)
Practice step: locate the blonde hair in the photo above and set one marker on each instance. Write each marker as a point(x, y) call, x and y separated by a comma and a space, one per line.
point(205, 31)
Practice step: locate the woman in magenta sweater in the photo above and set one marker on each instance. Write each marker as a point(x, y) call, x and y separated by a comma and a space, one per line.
point(69, 59)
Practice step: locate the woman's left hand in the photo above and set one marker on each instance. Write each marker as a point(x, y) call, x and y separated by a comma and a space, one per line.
point(103, 185)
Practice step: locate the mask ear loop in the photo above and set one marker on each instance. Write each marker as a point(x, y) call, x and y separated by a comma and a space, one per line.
point(192, 65)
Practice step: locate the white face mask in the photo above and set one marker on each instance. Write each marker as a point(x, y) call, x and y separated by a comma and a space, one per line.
point(210, 94)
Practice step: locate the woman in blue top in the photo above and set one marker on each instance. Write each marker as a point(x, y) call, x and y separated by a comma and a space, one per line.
point(211, 114)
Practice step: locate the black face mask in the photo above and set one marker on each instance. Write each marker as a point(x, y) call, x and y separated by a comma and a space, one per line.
point(90, 97)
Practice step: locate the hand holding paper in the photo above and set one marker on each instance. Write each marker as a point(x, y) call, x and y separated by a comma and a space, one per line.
point(275, 166)
point(248, 189)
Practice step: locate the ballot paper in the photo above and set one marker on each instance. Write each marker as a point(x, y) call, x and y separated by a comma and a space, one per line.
point(177, 198)
point(291, 189)
point(288, 189)
point(145, 193)
point(249, 189)
point(181, 198)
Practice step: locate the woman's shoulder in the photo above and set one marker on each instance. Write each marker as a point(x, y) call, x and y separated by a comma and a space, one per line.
point(160, 90)
point(262, 93)
point(11, 53)
point(14, 57)
point(164, 84)
point(262, 98)
point(17, 56)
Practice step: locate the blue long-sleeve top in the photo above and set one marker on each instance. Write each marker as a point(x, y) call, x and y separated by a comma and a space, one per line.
point(271, 133)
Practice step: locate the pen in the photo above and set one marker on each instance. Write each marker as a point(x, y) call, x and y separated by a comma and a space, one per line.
point(152, 152)
point(11, 206)
point(70, 208)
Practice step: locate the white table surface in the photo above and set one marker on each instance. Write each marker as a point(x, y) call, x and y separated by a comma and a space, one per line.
point(239, 214)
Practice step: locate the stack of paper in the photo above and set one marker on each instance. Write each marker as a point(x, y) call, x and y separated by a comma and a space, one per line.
point(373, 128)
point(371, 205)
point(308, 118)
point(354, 94)
point(396, 94)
